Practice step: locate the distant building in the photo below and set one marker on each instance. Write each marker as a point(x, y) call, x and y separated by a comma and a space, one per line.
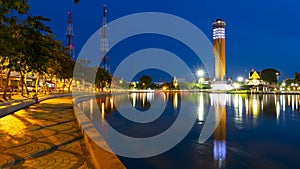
point(254, 78)
point(220, 56)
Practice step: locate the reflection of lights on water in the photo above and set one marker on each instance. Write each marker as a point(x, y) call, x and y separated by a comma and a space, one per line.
point(144, 99)
point(102, 110)
point(277, 109)
point(218, 99)
point(293, 101)
point(255, 107)
point(175, 101)
point(164, 97)
point(240, 106)
point(211, 100)
point(91, 108)
point(201, 108)
point(111, 103)
point(246, 106)
point(262, 105)
point(281, 100)
point(133, 99)
point(236, 101)
point(228, 98)
point(150, 96)
point(107, 101)
point(220, 150)
point(283, 103)
point(296, 102)
point(289, 100)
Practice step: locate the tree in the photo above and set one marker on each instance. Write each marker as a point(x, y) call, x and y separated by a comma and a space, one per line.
point(145, 82)
point(26, 44)
point(103, 78)
point(269, 75)
point(296, 77)
point(10, 11)
point(66, 72)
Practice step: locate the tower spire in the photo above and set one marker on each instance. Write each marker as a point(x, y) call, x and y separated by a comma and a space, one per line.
point(104, 42)
point(70, 36)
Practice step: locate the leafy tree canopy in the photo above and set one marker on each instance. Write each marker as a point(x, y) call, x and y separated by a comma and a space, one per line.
point(269, 75)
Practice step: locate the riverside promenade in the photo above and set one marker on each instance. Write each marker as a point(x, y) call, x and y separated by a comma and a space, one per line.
point(47, 135)
point(44, 135)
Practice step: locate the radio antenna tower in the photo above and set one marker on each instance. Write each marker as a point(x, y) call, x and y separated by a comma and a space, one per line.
point(70, 36)
point(104, 42)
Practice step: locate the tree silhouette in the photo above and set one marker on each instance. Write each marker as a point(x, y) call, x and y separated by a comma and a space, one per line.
point(269, 75)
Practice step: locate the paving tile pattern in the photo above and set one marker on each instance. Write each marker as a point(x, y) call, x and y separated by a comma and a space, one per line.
point(45, 135)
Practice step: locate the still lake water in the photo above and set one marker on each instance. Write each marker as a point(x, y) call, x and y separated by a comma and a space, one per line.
point(255, 131)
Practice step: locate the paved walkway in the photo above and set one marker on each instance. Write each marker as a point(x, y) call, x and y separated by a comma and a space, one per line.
point(45, 135)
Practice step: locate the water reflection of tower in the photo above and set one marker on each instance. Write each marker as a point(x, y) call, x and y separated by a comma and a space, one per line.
point(219, 47)
point(220, 132)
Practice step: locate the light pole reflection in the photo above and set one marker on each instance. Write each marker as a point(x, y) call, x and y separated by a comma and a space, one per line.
point(201, 109)
point(175, 101)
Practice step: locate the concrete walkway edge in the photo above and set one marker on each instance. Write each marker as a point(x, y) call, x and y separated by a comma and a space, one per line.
point(90, 133)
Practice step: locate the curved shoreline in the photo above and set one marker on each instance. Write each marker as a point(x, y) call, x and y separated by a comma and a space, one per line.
point(101, 158)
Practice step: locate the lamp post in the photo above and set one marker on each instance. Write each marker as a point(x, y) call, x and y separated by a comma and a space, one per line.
point(277, 78)
point(200, 74)
point(240, 79)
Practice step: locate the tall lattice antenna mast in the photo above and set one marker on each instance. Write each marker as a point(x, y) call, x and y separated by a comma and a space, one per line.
point(104, 42)
point(70, 36)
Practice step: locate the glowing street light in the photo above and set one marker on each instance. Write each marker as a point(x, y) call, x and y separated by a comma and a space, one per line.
point(200, 73)
point(240, 79)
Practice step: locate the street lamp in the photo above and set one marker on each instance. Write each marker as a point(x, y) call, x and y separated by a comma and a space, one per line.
point(200, 73)
point(277, 77)
point(240, 79)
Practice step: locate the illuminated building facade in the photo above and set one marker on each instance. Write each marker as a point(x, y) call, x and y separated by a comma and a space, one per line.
point(219, 49)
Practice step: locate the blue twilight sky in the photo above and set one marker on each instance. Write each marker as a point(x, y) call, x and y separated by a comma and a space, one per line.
point(259, 34)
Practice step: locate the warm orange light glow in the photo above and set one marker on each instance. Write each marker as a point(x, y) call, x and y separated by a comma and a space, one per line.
point(102, 109)
point(12, 126)
point(175, 101)
point(111, 103)
point(255, 107)
point(133, 99)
